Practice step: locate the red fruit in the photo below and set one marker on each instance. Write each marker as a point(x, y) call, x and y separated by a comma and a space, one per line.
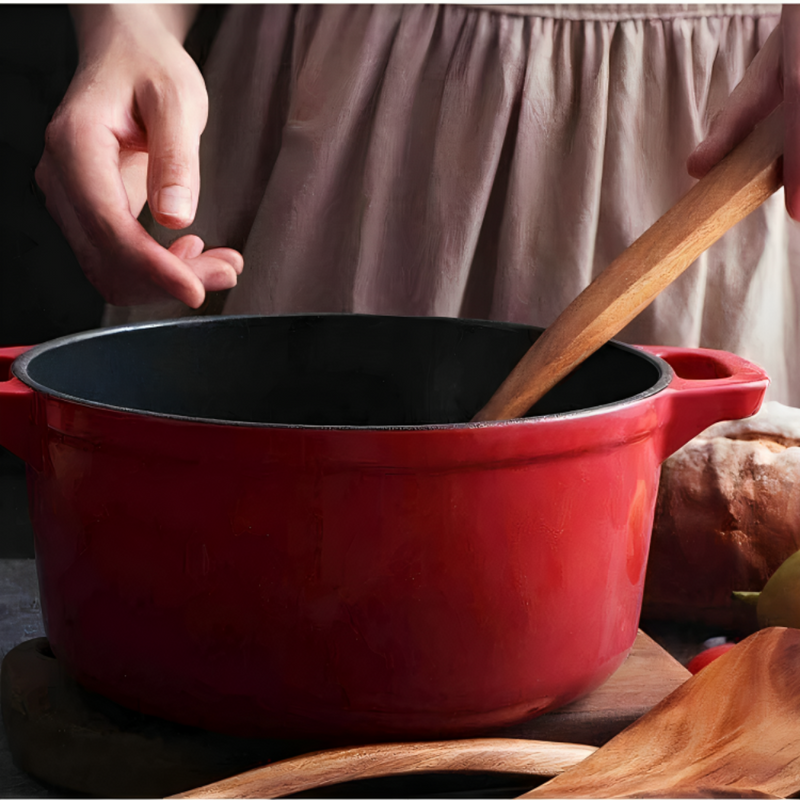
point(707, 656)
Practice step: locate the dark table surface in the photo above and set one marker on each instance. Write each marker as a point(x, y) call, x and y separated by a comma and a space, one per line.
point(20, 620)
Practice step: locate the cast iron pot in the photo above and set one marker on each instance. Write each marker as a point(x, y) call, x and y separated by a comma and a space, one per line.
point(286, 526)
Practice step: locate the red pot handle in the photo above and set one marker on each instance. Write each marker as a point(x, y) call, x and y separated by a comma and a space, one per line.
point(709, 386)
point(19, 432)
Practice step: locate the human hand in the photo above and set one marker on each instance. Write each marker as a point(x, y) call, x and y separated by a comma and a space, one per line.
point(128, 131)
point(772, 77)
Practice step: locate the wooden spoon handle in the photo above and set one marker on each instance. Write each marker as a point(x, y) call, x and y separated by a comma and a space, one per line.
point(530, 757)
point(743, 180)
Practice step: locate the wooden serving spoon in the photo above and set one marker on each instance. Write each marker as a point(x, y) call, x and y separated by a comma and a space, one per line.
point(311, 771)
point(740, 183)
point(729, 731)
point(732, 730)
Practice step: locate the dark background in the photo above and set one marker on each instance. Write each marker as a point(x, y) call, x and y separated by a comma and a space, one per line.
point(43, 293)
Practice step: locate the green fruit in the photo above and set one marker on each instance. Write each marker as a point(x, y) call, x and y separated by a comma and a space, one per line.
point(778, 603)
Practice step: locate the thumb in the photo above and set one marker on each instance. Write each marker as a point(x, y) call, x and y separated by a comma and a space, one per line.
point(174, 118)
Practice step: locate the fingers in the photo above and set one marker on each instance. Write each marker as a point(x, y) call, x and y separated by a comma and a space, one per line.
point(217, 269)
point(81, 167)
point(186, 247)
point(144, 267)
point(174, 114)
point(118, 256)
point(790, 27)
point(80, 175)
point(758, 93)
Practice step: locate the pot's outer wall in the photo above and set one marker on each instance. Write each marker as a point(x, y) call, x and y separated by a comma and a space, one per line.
point(285, 581)
point(273, 599)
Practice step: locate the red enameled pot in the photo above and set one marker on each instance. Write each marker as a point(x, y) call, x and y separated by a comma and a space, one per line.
point(286, 526)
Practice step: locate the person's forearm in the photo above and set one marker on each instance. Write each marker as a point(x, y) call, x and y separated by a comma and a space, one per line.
point(96, 24)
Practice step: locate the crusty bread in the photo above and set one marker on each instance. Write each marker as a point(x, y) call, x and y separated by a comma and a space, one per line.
point(727, 515)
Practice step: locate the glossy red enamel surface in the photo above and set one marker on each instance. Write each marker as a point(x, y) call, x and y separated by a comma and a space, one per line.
point(370, 583)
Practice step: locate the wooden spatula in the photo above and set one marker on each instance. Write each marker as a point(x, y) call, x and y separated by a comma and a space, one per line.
point(740, 183)
point(520, 756)
point(732, 730)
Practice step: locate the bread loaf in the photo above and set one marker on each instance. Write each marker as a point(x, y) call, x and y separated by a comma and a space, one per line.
point(727, 516)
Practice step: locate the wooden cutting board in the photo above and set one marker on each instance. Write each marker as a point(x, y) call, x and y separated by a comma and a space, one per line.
point(65, 736)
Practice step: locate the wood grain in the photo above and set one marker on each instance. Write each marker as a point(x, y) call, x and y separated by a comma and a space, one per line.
point(736, 186)
point(730, 731)
point(374, 761)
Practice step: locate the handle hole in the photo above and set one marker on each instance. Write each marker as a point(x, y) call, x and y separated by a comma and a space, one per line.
point(697, 367)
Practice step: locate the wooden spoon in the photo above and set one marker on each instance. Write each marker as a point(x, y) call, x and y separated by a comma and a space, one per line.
point(740, 183)
point(732, 730)
point(521, 756)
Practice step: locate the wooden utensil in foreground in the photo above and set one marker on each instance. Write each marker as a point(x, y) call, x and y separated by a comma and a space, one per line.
point(523, 756)
point(729, 731)
point(740, 183)
point(732, 730)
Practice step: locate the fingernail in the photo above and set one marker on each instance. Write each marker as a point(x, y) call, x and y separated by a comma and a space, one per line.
point(174, 201)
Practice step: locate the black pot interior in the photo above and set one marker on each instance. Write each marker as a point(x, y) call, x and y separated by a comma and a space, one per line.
point(321, 370)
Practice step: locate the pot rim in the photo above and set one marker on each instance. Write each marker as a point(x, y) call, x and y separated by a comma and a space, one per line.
point(19, 369)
